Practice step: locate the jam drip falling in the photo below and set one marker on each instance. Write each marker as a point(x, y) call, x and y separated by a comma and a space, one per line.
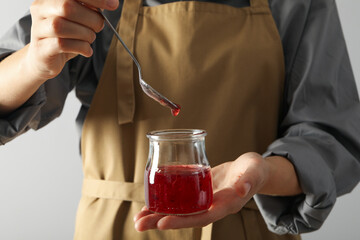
point(175, 110)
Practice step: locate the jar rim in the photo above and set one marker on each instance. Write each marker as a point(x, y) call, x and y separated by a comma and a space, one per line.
point(176, 134)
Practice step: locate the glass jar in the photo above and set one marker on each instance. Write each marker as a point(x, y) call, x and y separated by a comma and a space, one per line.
point(177, 175)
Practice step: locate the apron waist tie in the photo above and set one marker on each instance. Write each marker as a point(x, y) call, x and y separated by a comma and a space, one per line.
point(125, 191)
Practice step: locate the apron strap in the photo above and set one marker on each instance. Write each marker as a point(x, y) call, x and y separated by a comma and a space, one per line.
point(124, 191)
point(124, 63)
point(259, 3)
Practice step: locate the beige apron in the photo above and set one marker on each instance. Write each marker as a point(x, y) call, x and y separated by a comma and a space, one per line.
point(223, 65)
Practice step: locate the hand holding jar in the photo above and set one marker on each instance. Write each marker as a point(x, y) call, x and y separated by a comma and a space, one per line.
point(234, 184)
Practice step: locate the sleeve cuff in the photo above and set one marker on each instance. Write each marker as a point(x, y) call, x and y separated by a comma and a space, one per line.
point(25, 117)
point(305, 212)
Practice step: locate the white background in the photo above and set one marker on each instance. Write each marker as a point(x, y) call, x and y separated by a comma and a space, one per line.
point(40, 172)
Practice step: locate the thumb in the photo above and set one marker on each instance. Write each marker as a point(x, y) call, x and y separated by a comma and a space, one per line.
point(70, 56)
point(250, 173)
point(242, 187)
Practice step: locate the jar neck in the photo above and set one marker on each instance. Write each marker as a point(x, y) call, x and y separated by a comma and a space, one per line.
point(177, 135)
point(178, 150)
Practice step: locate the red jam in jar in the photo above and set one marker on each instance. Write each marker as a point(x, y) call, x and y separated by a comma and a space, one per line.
point(178, 189)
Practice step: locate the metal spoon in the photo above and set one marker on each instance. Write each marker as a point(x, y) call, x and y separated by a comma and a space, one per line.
point(151, 92)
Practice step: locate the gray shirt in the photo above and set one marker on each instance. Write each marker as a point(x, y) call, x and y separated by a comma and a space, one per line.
point(319, 129)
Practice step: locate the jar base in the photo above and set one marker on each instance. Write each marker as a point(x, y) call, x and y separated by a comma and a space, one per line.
point(180, 214)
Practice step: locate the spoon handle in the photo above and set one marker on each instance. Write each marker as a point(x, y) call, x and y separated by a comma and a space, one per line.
point(122, 42)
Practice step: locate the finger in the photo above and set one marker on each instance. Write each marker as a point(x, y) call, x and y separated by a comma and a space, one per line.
point(177, 222)
point(219, 209)
point(76, 12)
point(72, 11)
point(148, 222)
point(58, 27)
point(141, 214)
point(249, 168)
point(219, 177)
point(61, 28)
point(54, 46)
point(104, 4)
point(69, 56)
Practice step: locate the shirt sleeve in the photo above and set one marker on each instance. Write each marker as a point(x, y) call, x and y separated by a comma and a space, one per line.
point(47, 102)
point(319, 130)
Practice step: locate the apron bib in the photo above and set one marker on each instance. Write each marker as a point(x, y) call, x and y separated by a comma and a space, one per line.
point(223, 65)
